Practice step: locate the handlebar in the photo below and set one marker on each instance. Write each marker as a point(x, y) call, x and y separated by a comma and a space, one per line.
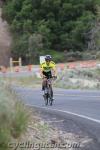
point(53, 77)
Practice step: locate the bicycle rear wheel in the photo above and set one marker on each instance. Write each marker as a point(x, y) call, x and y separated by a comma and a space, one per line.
point(46, 100)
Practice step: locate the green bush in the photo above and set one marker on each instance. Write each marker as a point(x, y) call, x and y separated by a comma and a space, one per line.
point(98, 55)
point(89, 55)
point(56, 56)
point(73, 56)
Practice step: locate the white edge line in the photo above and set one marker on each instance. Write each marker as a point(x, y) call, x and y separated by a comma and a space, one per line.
point(55, 121)
point(68, 112)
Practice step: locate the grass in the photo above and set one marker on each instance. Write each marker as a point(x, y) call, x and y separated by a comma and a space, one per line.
point(19, 122)
point(28, 81)
point(13, 117)
point(79, 79)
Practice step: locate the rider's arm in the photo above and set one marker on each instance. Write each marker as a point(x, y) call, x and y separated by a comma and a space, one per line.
point(41, 74)
point(41, 71)
point(54, 70)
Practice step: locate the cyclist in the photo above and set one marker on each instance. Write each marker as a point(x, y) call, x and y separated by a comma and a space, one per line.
point(48, 70)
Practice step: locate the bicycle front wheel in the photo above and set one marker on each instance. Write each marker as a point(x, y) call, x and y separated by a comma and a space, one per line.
point(46, 98)
point(50, 96)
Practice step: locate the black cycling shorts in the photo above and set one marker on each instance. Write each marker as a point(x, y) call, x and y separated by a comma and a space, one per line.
point(47, 74)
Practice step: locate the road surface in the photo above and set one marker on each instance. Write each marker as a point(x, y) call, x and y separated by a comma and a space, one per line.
point(80, 106)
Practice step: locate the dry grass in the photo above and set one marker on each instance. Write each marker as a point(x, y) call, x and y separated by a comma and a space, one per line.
point(79, 79)
point(30, 81)
point(82, 78)
point(13, 117)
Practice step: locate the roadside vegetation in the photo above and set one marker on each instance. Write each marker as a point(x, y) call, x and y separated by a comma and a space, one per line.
point(79, 78)
point(13, 117)
point(85, 78)
point(30, 81)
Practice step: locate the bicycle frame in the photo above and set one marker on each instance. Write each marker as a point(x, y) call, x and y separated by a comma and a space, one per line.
point(48, 92)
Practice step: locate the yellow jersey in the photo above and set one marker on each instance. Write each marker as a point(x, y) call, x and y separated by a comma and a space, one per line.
point(48, 67)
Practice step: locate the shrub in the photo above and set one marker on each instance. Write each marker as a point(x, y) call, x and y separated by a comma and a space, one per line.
point(13, 117)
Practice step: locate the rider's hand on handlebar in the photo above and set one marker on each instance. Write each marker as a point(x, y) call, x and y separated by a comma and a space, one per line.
point(44, 77)
point(55, 77)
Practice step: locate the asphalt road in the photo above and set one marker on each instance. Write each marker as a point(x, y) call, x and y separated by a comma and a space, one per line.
point(80, 106)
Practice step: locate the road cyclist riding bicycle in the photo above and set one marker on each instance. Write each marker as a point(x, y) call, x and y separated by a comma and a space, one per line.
point(48, 72)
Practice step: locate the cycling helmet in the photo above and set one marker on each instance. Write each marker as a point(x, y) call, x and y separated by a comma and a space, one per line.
point(48, 57)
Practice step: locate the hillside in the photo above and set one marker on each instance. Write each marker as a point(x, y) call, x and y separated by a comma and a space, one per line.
point(52, 26)
point(5, 42)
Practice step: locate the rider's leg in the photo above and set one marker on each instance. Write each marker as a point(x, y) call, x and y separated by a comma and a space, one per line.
point(43, 84)
point(43, 81)
point(51, 92)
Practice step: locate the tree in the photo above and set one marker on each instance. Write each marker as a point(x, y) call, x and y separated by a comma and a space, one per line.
point(61, 24)
point(34, 46)
point(94, 35)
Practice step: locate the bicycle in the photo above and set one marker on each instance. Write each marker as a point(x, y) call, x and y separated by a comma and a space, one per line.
point(48, 91)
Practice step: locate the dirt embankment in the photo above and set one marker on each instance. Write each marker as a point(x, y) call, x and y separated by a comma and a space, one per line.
point(5, 42)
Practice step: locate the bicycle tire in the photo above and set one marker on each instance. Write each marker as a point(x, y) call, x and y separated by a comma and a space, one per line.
point(50, 102)
point(50, 96)
point(46, 100)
